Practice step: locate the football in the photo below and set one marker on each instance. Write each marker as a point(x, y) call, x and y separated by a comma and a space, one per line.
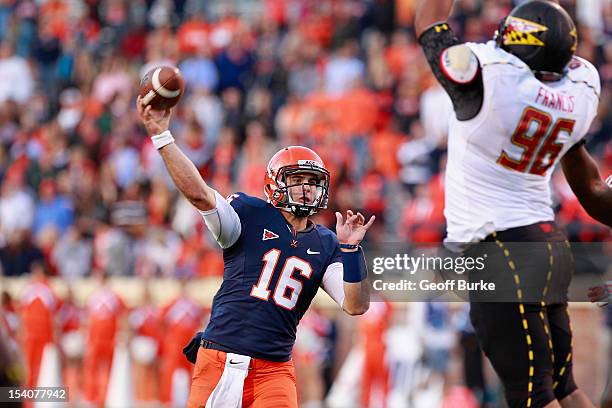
point(162, 87)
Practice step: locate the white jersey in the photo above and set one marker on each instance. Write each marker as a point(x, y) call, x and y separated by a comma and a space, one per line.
point(500, 162)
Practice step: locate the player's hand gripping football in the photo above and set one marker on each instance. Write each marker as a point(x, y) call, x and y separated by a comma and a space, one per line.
point(155, 121)
point(353, 229)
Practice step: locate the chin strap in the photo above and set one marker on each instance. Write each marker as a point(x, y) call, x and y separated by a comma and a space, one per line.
point(300, 211)
point(295, 208)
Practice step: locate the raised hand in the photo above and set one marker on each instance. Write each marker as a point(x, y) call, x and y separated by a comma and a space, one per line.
point(155, 121)
point(353, 229)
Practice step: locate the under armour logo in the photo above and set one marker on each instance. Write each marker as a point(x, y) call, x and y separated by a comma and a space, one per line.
point(268, 235)
point(441, 27)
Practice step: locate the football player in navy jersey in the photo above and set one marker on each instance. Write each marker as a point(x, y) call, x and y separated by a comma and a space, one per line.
point(275, 261)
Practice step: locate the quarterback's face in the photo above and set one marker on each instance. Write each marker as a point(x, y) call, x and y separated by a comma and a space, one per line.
point(302, 187)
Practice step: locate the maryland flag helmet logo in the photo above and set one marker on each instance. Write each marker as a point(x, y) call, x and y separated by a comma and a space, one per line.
point(521, 32)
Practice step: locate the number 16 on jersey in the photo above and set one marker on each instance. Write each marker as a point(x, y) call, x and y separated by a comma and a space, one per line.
point(288, 288)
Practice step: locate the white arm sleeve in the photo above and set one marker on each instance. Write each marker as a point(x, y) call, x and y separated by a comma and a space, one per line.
point(223, 221)
point(333, 282)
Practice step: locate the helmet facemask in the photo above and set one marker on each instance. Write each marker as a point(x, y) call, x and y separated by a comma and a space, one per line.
point(304, 198)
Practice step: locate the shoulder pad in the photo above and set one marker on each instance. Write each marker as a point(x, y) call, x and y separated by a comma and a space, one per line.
point(246, 200)
point(490, 54)
point(459, 64)
point(580, 70)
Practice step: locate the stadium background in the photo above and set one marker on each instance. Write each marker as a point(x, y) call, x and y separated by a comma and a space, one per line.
point(83, 190)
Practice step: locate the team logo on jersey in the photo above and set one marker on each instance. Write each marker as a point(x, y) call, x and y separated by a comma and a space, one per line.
point(521, 32)
point(294, 243)
point(268, 235)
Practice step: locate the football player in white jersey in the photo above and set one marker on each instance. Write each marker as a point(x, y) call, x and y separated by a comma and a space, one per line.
point(523, 102)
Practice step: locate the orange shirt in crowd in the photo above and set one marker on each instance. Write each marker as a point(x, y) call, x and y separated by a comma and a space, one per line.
point(423, 217)
point(144, 320)
point(104, 309)
point(53, 13)
point(70, 316)
point(196, 253)
point(38, 306)
point(356, 112)
point(317, 28)
point(373, 326)
point(275, 10)
point(383, 147)
point(192, 35)
point(181, 318)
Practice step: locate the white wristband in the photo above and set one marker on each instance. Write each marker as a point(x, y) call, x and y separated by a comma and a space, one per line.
point(163, 139)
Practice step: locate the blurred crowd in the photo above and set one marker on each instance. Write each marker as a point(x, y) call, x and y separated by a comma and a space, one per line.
point(84, 346)
point(84, 193)
point(45, 340)
point(83, 189)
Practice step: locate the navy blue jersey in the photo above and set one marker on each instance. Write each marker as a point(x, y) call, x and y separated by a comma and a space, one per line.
point(270, 277)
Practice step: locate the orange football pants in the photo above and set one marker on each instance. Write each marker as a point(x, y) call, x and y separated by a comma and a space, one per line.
point(268, 384)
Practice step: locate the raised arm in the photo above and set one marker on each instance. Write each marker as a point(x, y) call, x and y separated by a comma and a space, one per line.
point(350, 232)
point(582, 174)
point(430, 12)
point(183, 172)
point(453, 64)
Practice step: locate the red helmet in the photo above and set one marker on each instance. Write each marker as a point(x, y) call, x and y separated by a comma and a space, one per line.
point(290, 161)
